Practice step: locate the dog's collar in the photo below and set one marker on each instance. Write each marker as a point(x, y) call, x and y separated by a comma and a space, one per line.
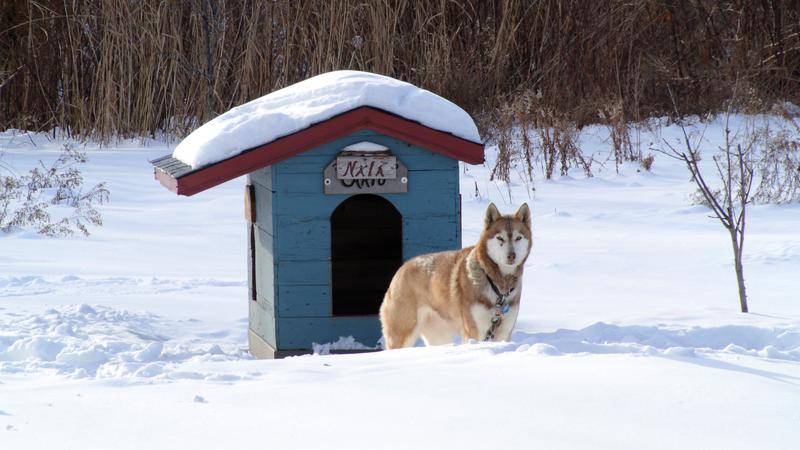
point(500, 309)
point(500, 295)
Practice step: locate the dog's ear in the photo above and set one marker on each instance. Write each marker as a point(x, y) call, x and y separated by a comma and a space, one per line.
point(524, 214)
point(492, 214)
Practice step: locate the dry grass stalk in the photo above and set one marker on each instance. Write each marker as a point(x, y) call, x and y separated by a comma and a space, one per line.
point(121, 67)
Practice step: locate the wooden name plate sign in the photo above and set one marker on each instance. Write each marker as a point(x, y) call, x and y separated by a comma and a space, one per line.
point(377, 167)
point(356, 172)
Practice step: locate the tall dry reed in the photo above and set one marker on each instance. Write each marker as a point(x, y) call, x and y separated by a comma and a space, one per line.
point(103, 68)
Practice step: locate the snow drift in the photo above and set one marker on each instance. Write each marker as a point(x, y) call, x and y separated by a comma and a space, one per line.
point(314, 100)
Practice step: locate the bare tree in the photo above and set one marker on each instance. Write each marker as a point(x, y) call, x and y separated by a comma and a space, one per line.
point(734, 167)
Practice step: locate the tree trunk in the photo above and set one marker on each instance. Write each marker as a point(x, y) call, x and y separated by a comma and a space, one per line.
point(737, 258)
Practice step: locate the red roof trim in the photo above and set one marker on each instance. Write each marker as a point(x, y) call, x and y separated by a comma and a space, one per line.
point(354, 120)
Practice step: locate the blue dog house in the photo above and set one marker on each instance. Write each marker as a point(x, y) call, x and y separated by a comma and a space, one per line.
point(333, 210)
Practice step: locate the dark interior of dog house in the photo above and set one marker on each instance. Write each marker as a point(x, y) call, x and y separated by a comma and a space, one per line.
point(366, 250)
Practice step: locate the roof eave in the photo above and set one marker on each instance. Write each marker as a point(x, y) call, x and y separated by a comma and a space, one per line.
point(341, 125)
point(166, 180)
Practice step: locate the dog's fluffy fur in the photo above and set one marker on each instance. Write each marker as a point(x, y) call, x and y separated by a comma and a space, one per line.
point(442, 295)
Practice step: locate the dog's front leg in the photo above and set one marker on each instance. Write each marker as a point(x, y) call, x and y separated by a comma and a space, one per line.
point(469, 328)
point(507, 326)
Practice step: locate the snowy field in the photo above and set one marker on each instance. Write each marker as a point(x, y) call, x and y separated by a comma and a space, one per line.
point(628, 338)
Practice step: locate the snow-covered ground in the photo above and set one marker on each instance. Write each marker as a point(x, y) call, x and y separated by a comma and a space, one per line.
point(628, 338)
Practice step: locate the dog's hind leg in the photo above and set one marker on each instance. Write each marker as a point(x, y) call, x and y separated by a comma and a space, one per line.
point(431, 337)
point(400, 336)
point(434, 329)
point(399, 323)
point(411, 338)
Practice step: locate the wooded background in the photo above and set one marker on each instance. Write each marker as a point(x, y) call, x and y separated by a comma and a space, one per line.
point(106, 68)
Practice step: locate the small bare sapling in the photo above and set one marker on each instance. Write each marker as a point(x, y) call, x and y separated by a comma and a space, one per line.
point(734, 169)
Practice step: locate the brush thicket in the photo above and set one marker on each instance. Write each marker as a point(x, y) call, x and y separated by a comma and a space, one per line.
point(104, 68)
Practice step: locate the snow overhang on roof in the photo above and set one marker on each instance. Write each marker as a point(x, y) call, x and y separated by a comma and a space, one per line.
point(310, 113)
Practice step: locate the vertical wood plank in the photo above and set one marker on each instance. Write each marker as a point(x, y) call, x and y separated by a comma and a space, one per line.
point(251, 261)
point(250, 203)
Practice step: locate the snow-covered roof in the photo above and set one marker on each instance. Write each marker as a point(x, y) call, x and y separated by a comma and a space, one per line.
point(314, 100)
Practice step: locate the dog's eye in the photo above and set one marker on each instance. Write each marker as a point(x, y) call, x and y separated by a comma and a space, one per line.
point(518, 238)
point(500, 239)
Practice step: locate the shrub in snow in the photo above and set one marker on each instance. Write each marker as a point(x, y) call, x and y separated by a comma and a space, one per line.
point(529, 133)
point(26, 200)
point(779, 167)
point(647, 162)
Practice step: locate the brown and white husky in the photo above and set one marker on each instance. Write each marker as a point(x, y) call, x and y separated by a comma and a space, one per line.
point(473, 292)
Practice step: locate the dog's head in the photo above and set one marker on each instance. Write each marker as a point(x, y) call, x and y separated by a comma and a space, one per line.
point(507, 237)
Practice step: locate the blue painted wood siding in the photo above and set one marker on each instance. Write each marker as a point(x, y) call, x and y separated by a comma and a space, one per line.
point(293, 251)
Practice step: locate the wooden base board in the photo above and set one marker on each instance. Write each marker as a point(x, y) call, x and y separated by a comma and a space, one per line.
point(286, 353)
point(259, 348)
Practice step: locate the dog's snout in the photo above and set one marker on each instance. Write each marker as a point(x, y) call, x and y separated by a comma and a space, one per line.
point(511, 257)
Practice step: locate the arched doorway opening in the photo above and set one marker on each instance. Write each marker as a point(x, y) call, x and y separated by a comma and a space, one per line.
point(366, 251)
